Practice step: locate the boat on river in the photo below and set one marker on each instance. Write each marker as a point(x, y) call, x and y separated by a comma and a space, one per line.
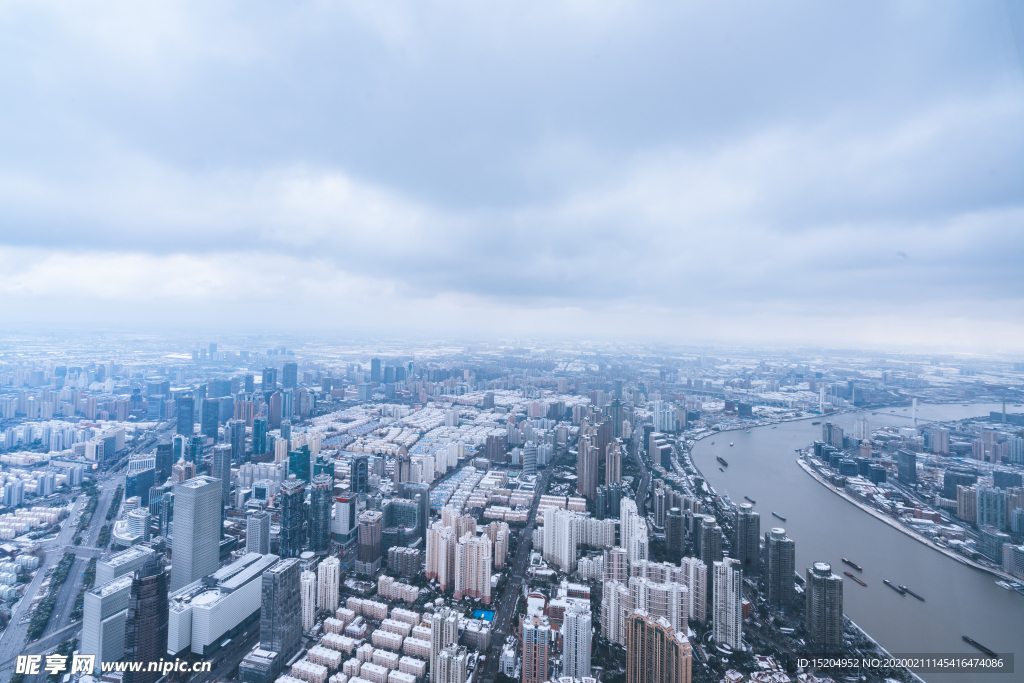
point(972, 641)
point(853, 564)
point(910, 592)
point(751, 500)
point(722, 460)
point(855, 578)
point(893, 586)
point(776, 514)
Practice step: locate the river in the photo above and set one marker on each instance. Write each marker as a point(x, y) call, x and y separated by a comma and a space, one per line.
point(959, 600)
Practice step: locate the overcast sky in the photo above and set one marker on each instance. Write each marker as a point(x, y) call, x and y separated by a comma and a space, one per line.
point(767, 171)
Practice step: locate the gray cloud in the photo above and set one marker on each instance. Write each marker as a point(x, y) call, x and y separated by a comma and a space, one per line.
point(695, 164)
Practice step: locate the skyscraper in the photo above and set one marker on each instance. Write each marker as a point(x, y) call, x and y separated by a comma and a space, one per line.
point(320, 533)
point(780, 556)
point(824, 618)
point(236, 437)
point(536, 652)
point(307, 588)
point(292, 499)
point(221, 469)
point(747, 544)
point(197, 526)
point(164, 461)
point(375, 373)
point(710, 541)
point(280, 621)
point(370, 530)
point(586, 466)
point(194, 451)
point(257, 532)
point(211, 418)
point(613, 462)
point(576, 636)
point(675, 534)
point(444, 631)
point(269, 379)
point(145, 627)
point(259, 435)
point(728, 607)
point(289, 375)
point(299, 463)
point(360, 474)
point(328, 579)
point(655, 652)
point(906, 466)
point(185, 414)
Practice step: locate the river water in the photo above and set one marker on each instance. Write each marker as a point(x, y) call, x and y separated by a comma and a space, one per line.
point(959, 600)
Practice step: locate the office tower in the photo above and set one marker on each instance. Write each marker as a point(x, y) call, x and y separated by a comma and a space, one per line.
point(780, 557)
point(194, 451)
point(289, 375)
point(197, 528)
point(221, 469)
point(536, 652)
point(710, 541)
point(951, 478)
point(343, 527)
point(747, 544)
point(183, 470)
point(320, 533)
point(105, 609)
point(420, 494)
point(307, 588)
point(906, 466)
point(249, 383)
point(675, 534)
point(728, 607)
point(257, 532)
point(576, 636)
point(990, 506)
point(695, 578)
point(274, 410)
point(375, 374)
point(824, 620)
point(236, 437)
point(613, 463)
point(137, 483)
point(145, 626)
point(164, 460)
point(360, 474)
point(185, 415)
point(655, 652)
point(444, 631)
point(401, 472)
point(473, 568)
point(586, 467)
point(269, 379)
point(371, 528)
point(451, 665)
point(210, 418)
point(299, 463)
point(292, 500)
point(259, 435)
point(328, 579)
point(280, 621)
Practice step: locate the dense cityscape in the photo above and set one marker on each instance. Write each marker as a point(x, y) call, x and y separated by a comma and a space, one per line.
point(485, 512)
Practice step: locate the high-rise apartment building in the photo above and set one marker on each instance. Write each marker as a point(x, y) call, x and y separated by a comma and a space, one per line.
point(823, 592)
point(292, 500)
point(747, 544)
point(473, 568)
point(197, 526)
point(675, 534)
point(780, 558)
point(307, 599)
point(328, 580)
point(728, 607)
point(145, 626)
point(444, 631)
point(695, 578)
point(613, 462)
point(710, 541)
point(586, 464)
point(280, 621)
point(576, 637)
point(536, 651)
point(257, 532)
point(655, 652)
point(441, 554)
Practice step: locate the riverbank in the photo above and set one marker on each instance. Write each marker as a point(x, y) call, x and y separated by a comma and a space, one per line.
point(899, 527)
